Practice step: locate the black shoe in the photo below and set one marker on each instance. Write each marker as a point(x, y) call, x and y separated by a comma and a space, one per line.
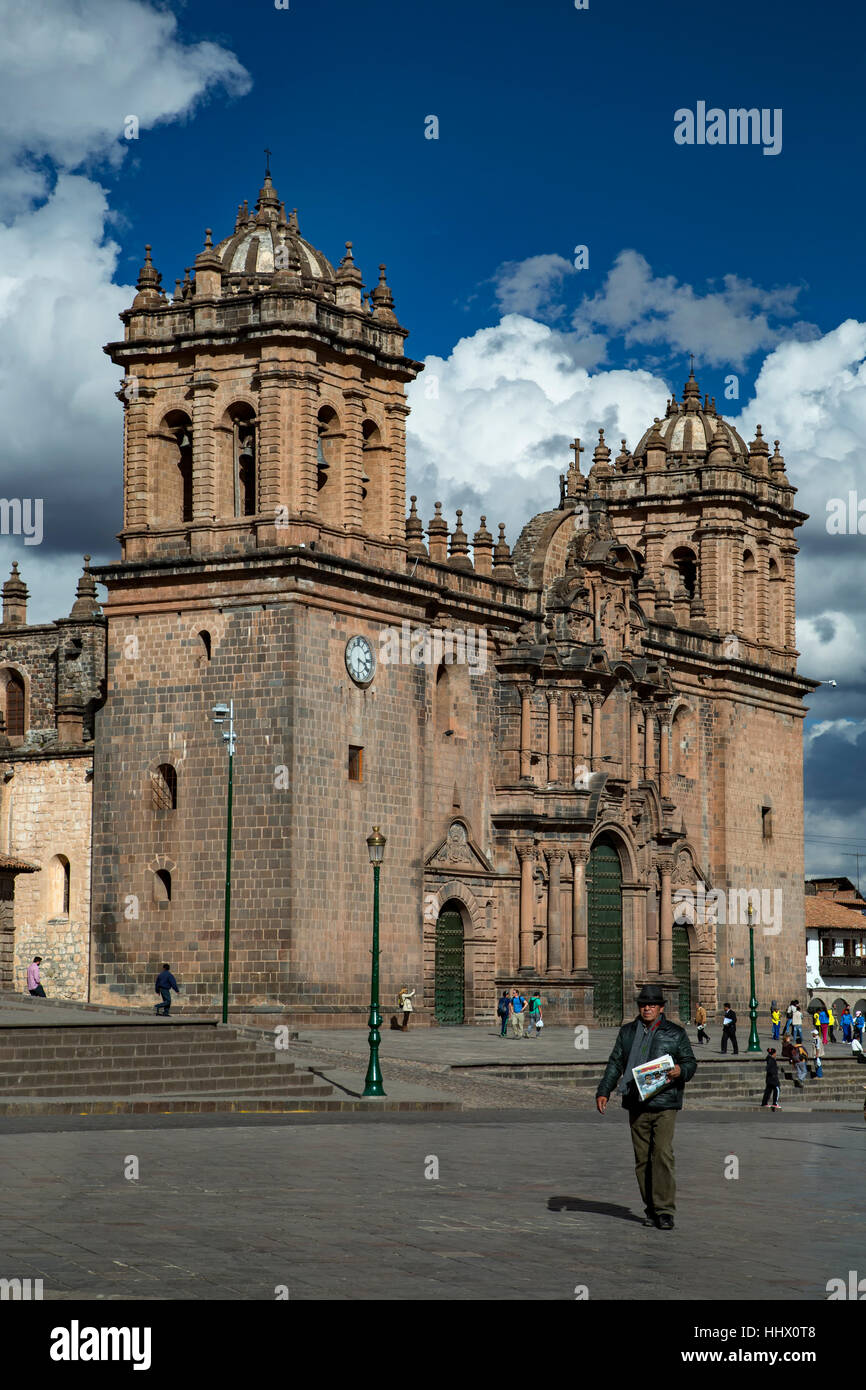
point(649, 1220)
point(666, 1221)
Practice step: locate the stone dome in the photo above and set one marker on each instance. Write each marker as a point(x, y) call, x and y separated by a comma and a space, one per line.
point(689, 426)
point(257, 237)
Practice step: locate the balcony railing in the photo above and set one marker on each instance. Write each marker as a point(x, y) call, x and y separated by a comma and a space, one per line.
point(842, 965)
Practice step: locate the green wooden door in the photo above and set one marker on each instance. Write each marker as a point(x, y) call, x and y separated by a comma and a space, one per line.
point(682, 970)
point(449, 967)
point(604, 897)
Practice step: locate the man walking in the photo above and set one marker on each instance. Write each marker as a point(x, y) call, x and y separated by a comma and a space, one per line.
point(729, 1029)
point(33, 983)
point(165, 983)
point(797, 1022)
point(771, 1089)
point(518, 1004)
point(652, 1121)
point(701, 1021)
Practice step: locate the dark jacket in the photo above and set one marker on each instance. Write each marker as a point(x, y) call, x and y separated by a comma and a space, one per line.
point(772, 1072)
point(668, 1037)
point(165, 980)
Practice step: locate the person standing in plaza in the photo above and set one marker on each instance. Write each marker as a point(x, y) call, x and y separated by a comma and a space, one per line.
point(817, 1054)
point(34, 984)
point(164, 984)
point(797, 1022)
point(846, 1024)
point(652, 1121)
point(503, 1009)
point(729, 1030)
point(772, 1088)
point(775, 1019)
point(831, 1024)
point(857, 1025)
point(518, 1006)
point(404, 1002)
point(824, 1021)
point(789, 1020)
point(798, 1059)
point(701, 1021)
point(533, 1014)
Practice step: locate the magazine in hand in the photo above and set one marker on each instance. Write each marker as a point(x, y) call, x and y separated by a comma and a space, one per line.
point(649, 1077)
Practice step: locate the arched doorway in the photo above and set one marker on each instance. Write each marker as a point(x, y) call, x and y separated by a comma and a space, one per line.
point(683, 970)
point(449, 970)
point(604, 903)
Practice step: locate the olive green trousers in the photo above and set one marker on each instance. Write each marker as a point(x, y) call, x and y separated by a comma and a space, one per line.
point(652, 1137)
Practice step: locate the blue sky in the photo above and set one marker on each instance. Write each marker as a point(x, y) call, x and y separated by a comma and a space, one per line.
point(556, 130)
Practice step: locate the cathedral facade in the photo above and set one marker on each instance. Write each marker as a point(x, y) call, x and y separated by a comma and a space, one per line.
point(585, 751)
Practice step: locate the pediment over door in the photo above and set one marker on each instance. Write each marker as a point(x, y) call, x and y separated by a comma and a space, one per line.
point(458, 849)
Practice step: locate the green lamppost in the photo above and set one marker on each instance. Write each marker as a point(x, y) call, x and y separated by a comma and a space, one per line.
point(373, 1080)
point(221, 713)
point(754, 1040)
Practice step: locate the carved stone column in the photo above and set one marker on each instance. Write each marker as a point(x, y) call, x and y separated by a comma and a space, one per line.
point(666, 917)
point(578, 753)
point(525, 730)
point(579, 908)
point(270, 443)
point(527, 855)
point(649, 770)
point(652, 927)
point(356, 404)
point(596, 701)
point(395, 504)
point(136, 496)
point(665, 757)
point(552, 735)
point(634, 745)
point(303, 442)
point(554, 857)
point(204, 504)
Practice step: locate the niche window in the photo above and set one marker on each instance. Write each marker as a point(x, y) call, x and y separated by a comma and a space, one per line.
point(767, 822)
point(356, 763)
point(244, 441)
point(163, 788)
point(14, 705)
point(204, 645)
point(162, 888)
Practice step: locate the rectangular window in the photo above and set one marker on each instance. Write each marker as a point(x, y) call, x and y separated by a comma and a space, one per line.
point(356, 764)
point(767, 821)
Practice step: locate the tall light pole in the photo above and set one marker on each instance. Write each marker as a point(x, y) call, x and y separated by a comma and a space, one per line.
point(373, 1080)
point(221, 713)
point(754, 1040)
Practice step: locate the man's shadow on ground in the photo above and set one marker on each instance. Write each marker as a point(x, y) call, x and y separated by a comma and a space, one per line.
point(597, 1208)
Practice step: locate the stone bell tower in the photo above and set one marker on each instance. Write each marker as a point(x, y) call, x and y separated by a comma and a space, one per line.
point(264, 401)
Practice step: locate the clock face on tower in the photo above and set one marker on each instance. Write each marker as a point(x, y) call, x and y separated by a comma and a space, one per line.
point(360, 661)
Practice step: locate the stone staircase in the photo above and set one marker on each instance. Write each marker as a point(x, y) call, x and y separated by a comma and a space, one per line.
point(150, 1068)
point(718, 1084)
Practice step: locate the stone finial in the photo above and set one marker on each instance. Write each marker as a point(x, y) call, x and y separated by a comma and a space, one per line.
point(692, 391)
point(86, 603)
point(656, 449)
point(415, 531)
point(437, 536)
point(148, 296)
point(482, 549)
point(268, 201)
point(348, 272)
point(623, 458)
point(719, 455)
point(777, 467)
point(15, 596)
point(759, 454)
point(698, 615)
point(459, 556)
point(502, 565)
point(383, 300)
point(293, 222)
point(664, 611)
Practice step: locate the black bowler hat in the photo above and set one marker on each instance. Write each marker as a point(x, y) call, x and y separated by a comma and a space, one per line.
point(651, 994)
